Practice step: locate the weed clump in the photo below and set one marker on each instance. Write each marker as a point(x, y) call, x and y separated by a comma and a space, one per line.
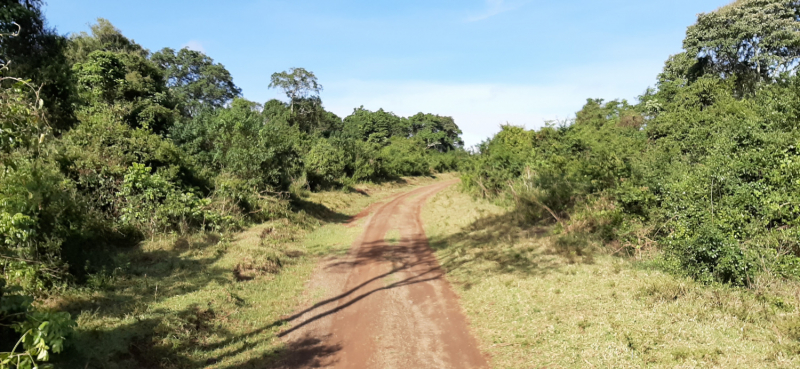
point(574, 247)
point(249, 269)
point(665, 290)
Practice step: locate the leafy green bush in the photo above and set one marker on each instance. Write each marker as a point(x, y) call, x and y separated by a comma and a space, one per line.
point(711, 255)
point(239, 140)
point(40, 212)
point(41, 333)
point(705, 165)
point(403, 157)
point(153, 203)
point(325, 163)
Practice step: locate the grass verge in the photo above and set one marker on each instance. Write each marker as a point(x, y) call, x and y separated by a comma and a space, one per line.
point(210, 300)
point(538, 298)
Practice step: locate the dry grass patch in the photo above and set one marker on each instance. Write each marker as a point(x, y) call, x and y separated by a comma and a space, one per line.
point(537, 298)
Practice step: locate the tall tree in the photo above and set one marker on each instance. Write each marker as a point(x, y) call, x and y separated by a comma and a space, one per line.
point(38, 54)
point(297, 83)
point(196, 80)
point(113, 72)
point(753, 40)
point(106, 37)
point(130, 85)
point(437, 132)
point(375, 127)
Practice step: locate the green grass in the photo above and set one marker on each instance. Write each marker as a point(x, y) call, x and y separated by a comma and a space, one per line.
point(536, 298)
point(209, 300)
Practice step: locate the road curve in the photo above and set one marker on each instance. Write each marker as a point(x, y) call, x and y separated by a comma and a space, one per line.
point(384, 305)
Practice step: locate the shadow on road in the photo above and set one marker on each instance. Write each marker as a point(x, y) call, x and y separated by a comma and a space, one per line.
point(412, 261)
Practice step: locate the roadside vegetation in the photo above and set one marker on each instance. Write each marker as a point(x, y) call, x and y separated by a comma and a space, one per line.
point(657, 233)
point(151, 216)
point(210, 300)
point(125, 175)
point(537, 296)
point(704, 167)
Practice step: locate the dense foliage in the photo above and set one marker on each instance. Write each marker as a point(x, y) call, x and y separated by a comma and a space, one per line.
point(705, 166)
point(103, 143)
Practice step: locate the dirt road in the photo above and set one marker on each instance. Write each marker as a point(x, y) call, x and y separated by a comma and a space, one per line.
point(386, 305)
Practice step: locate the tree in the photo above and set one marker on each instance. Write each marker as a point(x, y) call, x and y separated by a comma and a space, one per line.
point(309, 116)
point(235, 140)
point(38, 54)
point(102, 76)
point(325, 163)
point(104, 37)
point(753, 40)
point(130, 85)
point(196, 80)
point(297, 83)
point(438, 132)
point(375, 127)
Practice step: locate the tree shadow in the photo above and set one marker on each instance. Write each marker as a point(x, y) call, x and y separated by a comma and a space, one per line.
point(147, 337)
point(505, 244)
point(306, 352)
point(168, 338)
point(148, 276)
point(413, 262)
point(149, 347)
point(413, 258)
point(319, 212)
point(162, 338)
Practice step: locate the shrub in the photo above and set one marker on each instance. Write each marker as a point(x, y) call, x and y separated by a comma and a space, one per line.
point(404, 158)
point(713, 256)
point(41, 333)
point(153, 203)
point(325, 163)
point(39, 213)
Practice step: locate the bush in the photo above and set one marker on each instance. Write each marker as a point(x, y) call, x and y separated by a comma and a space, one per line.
point(325, 163)
point(712, 256)
point(707, 172)
point(152, 203)
point(404, 158)
point(40, 212)
point(41, 333)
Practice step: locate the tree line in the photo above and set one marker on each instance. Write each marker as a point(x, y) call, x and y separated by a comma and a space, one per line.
point(703, 170)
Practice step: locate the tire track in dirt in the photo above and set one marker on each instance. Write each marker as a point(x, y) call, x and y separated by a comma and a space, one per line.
point(384, 305)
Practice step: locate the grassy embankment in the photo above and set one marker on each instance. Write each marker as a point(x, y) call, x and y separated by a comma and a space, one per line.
point(209, 300)
point(537, 298)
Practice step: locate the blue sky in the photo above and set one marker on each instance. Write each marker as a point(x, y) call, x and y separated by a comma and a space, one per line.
point(484, 62)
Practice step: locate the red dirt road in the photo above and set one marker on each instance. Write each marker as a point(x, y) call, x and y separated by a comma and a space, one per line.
point(384, 305)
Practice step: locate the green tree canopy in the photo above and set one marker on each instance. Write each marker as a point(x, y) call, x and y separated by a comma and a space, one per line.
point(438, 132)
point(235, 140)
point(376, 127)
point(128, 84)
point(196, 80)
point(297, 83)
point(104, 37)
point(755, 40)
point(309, 116)
point(38, 53)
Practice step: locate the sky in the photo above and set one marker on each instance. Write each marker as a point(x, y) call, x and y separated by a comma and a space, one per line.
point(483, 62)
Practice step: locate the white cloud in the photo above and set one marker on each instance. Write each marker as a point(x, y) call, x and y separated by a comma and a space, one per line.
point(494, 7)
point(195, 45)
point(480, 108)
